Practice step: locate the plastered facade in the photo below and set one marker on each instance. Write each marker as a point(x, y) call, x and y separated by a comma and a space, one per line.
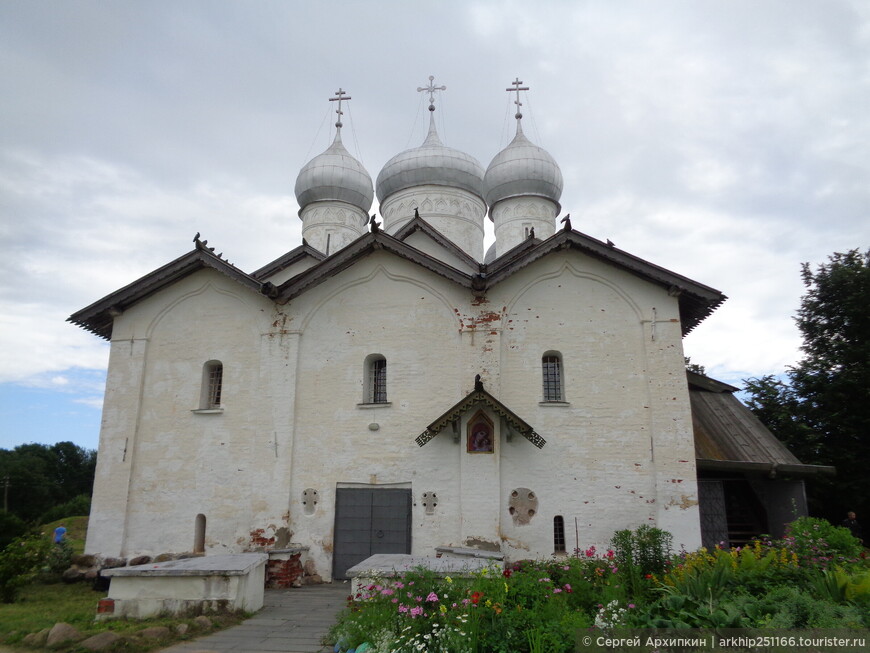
point(293, 417)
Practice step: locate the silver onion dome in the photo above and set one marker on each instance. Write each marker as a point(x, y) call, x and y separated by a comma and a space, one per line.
point(431, 163)
point(334, 175)
point(522, 169)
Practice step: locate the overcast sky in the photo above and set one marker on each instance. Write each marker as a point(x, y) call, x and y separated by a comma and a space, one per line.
point(726, 141)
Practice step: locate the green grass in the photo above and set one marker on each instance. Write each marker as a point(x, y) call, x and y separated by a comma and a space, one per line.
point(42, 606)
point(76, 531)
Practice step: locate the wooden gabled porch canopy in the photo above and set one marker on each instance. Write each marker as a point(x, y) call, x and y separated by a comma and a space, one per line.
point(513, 422)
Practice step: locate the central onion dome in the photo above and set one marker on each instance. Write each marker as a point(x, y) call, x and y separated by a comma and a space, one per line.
point(522, 169)
point(433, 163)
point(334, 176)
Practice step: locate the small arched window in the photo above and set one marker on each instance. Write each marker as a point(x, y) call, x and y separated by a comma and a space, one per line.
point(559, 534)
point(212, 385)
point(375, 379)
point(551, 368)
point(199, 534)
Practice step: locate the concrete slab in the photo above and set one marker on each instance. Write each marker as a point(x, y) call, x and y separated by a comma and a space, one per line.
point(389, 565)
point(202, 584)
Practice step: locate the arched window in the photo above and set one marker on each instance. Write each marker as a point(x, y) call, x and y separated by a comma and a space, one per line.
point(375, 379)
point(199, 534)
point(551, 368)
point(558, 534)
point(212, 385)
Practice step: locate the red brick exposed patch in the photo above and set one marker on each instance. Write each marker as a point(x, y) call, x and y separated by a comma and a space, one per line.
point(106, 606)
point(281, 574)
point(258, 538)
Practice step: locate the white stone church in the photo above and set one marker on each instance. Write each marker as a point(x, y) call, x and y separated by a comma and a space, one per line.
point(388, 387)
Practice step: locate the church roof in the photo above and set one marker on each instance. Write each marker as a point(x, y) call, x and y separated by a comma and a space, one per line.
point(729, 437)
point(432, 163)
point(286, 260)
point(98, 317)
point(419, 224)
point(696, 301)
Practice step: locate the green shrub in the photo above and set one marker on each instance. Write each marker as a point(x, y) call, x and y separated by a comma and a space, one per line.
point(820, 544)
point(792, 607)
point(11, 526)
point(20, 561)
point(640, 555)
point(79, 506)
point(58, 560)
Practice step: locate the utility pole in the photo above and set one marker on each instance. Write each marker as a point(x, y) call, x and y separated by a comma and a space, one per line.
point(6, 493)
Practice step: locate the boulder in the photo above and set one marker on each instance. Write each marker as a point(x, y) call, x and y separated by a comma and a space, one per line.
point(62, 633)
point(100, 641)
point(36, 640)
point(82, 560)
point(164, 557)
point(181, 629)
point(72, 575)
point(154, 632)
point(203, 622)
point(114, 563)
point(140, 560)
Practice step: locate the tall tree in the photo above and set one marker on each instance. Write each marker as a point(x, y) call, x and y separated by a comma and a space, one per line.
point(43, 476)
point(823, 410)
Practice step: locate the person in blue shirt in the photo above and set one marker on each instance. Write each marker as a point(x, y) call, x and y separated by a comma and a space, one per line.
point(59, 534)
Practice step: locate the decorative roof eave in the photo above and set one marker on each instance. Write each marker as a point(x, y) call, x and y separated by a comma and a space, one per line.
point(419, 224)
point(696, 301)
point(293, 256)
point(771, 470)
point(476, 397)
point(99, 316)
point(361, 247)
point(709, 384)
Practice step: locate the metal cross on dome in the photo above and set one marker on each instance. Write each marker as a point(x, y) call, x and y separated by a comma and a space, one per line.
point(517, 88)
point(339, 97)
point(431, 89)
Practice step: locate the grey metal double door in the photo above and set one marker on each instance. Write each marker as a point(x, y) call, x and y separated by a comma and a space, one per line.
point(369, 521)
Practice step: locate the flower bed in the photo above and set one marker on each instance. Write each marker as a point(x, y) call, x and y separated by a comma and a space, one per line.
point(543, 605)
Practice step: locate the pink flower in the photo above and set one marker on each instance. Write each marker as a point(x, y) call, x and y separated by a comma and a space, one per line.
point(557, 590)
point(416, 612)
point(631, 605)
point(403, 608)
point(386, 592)
point(395, 600)
point(568, 587)
point(400, 585)
point(432, 597)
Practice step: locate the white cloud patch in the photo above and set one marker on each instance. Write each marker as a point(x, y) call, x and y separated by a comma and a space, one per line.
point(726, 141)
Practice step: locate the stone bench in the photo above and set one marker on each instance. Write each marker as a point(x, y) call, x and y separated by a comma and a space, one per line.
point(192, 585)
point(382, 567)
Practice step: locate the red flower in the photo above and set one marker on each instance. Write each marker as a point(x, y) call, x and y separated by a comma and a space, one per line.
point(475, 597)
point(507, 573)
